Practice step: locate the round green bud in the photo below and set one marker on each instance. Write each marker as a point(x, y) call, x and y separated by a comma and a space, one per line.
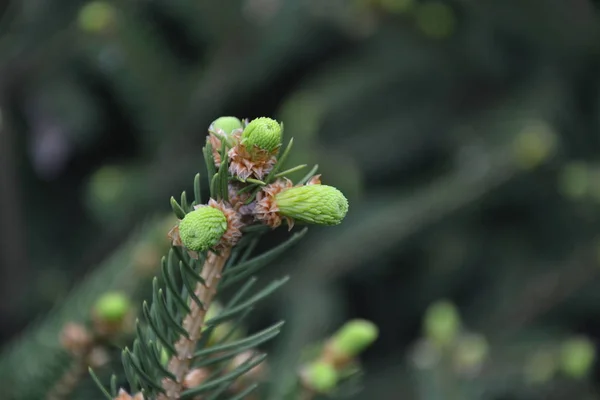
point(226, 124)
point(321, 376)
point(313, 204)
point(354, 337)
point(202, 228)
point(577, 357)
point(442, 323)
point(264, 133)
point(112, 306)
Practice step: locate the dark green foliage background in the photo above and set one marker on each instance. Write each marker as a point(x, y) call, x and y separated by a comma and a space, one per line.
point(419, 131)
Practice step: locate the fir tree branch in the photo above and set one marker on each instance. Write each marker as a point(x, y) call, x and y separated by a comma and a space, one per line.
point(179, 365)
point(208, 234)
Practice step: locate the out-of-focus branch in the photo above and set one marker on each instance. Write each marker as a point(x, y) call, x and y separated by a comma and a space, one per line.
point(546, 291)
point(13, 255)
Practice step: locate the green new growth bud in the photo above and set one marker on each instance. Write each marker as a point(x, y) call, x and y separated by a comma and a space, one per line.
point(202, 228)
point(226, 124)
point(442, 323)
point(354, 337)
point(112, 307)
point(313, 204)
point(321, 377)
point(577, 357)
point(264, 133)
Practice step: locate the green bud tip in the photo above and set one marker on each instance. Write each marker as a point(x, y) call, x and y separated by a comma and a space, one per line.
point(577, 357)
point(202, 228)
point(112, 306)
point(265, 133)
point(442, 322)
point(354, 337)
point(321, 376)
point(313, 204)
point(226, 124)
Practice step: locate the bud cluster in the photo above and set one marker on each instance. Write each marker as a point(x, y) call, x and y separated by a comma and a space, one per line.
point(247, 187)
point(339, 355)
point(445, 337)
point(256, 193)
point(88, 344)
point(109, 317)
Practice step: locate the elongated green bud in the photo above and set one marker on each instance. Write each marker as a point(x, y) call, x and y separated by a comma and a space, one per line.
point(313, 204)
point(202, 228)
point(264, 133)
point(226, 124)
point(112, 307)
point(321, 376)
point(354, 337)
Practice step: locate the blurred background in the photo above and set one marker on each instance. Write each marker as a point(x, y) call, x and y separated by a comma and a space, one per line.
point(466, 135)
